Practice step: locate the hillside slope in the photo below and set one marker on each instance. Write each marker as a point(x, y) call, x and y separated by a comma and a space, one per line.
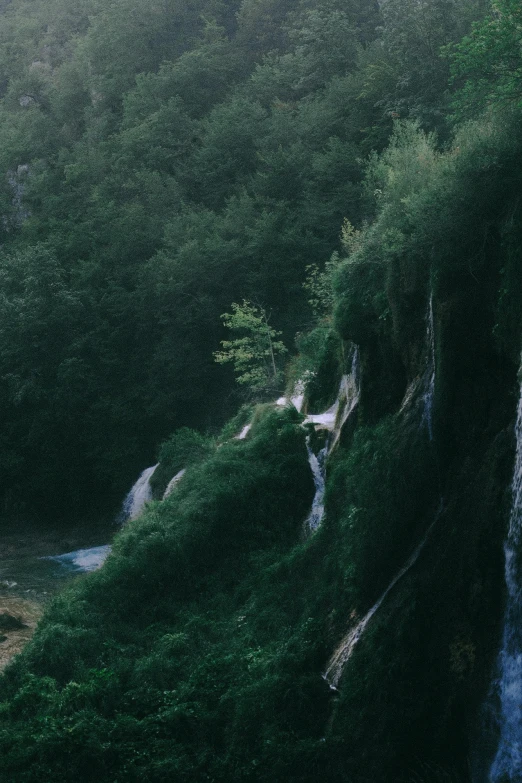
point(226, 638)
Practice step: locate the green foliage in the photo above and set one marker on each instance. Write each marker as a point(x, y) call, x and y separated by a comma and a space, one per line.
point(413, 33)
point(140, 664)
point(254, 355)
point(168, 159)
point(174, 157)
point(182, 449)
point(486, 64)
point(204, 635)
point(404, 169)
point(320, 363)
point(320, 283)
point(319, 286)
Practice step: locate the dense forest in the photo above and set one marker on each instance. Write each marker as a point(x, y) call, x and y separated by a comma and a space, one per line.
point(162, 161)
point(208, 205)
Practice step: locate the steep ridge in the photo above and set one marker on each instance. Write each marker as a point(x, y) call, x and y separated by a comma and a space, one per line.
point(342, 653)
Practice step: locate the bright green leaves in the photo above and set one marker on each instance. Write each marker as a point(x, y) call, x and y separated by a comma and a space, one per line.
point(320, 283)
point(254, 354)
point(319, 286)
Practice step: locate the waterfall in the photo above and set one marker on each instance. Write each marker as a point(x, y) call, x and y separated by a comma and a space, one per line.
point(172, 483)
point(349, 394)
point(244, 432)
point(317, 464)
point(343, 652)
point(327, 419)
point(297, 398)
point(347, 398)
point(428, 380)
point(139, 495)
point(507, 765)
point(333, 420)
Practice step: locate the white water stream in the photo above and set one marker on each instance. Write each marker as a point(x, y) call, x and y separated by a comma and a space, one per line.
point(86, 560)
point(333, 420)
point(340, 657)
point(507, 765)
point(297, 397)
point(318, 467)
point(172, 483)
point(244, 432)
point(83, 560)
point(140, 494)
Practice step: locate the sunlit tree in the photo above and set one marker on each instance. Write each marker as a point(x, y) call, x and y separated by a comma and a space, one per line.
point(254, 353)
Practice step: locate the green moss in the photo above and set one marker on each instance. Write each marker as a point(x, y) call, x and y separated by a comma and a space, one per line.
point(234, 425)
point(184, 448)
point(362, 307)
point(327, 352)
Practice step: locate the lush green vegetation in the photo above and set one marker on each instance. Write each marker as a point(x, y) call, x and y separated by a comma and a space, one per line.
point(165, 161)
point(344, 170)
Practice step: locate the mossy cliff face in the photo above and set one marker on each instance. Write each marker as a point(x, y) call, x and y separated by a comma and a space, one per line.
point(430, 651)
point(197, 652)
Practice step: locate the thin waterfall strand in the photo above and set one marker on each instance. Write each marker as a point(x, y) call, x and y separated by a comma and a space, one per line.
point(349, 394)
point(172, 483)
point(428, 381)
point(344, 651)
point(507, 765)
point(421, 391)
point(317, 465)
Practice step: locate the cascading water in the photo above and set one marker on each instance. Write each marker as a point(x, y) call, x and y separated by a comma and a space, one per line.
point(421, 391)
point(140, 494)
point(297, 398)
point(172, 483)
point(83, 559)
point(91, 559)
point(343, 652)
point(333, 419)
point(507, 765)
point(317, 464)
point(349, 393)
point(428, 381)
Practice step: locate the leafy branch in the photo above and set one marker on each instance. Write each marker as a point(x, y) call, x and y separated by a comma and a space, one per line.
point(253, 354)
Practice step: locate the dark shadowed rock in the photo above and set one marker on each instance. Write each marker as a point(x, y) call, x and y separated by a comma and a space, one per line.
point(9, 622)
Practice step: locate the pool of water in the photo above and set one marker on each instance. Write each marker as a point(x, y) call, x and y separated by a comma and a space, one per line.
point(35, 563)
